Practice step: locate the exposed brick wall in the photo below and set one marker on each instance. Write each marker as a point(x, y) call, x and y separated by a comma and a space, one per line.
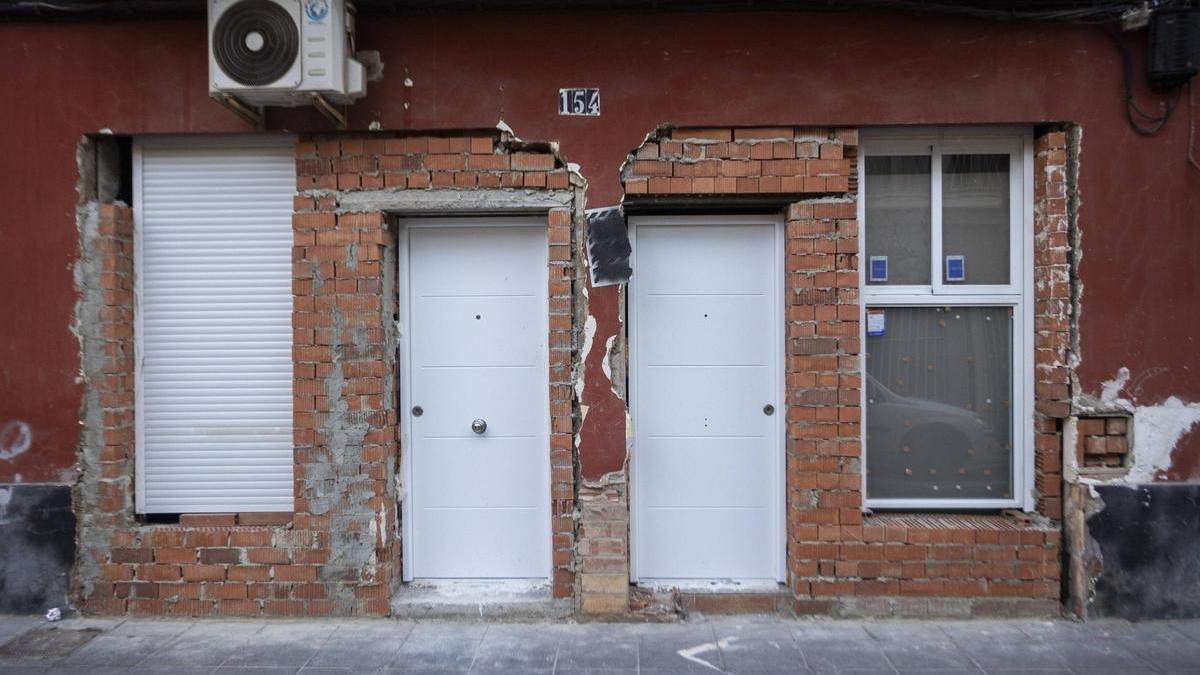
point(1102, 442)
point(603, 550)
point(839, 561)
point(383, 160)
point(339, 552)
point(739, 161)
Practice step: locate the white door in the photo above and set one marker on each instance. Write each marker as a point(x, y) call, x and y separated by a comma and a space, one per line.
point(476, 324)
point(706, 398)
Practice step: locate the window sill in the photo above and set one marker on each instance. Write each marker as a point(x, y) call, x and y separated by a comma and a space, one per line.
point(974, 522)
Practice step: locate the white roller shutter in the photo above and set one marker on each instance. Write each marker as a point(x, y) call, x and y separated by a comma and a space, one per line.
point(213, 251)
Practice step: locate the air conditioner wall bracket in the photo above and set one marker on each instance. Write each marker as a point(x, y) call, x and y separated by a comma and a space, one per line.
point(255, 115)
point(331, 113)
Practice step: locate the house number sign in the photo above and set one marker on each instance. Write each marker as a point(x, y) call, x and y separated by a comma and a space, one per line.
point(585, 102)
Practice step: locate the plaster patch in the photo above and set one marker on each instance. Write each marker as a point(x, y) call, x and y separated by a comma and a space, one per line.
point(605, 365)
point(15, 439)
point(1110, 390)
point(589, 333)
point(1157, 429)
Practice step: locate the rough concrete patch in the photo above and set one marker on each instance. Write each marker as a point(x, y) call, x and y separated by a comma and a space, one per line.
point(1074, 240)
point(445, 201)
point(86, 327)
point(48, 642)
point(352, 536)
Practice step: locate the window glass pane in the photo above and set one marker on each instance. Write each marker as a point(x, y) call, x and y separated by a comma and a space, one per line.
point(975, 219)
point(939, 403)
point(898, 220)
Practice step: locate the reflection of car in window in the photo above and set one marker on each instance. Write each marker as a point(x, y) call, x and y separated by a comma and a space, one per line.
point(922, 448)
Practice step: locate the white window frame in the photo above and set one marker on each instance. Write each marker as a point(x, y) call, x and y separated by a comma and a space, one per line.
point(1017, 142)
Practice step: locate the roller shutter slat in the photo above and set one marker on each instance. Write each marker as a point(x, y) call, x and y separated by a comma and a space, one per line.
point(215, 331)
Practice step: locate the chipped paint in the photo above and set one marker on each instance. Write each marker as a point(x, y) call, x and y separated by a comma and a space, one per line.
point(606, 364)
point(602, 446)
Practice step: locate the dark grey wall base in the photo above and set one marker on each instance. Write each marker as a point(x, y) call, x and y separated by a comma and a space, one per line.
point(37, 547)
point(1149, 537)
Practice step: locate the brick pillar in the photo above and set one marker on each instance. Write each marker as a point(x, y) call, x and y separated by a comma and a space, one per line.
point(562, 399)
point(1052, 316)
point(824, 450)
point(104, 495)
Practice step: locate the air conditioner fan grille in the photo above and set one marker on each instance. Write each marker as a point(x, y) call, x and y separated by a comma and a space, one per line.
point(255, 42)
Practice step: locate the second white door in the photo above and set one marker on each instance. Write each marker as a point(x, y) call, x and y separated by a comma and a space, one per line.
point(707, 336)
point(478, 401)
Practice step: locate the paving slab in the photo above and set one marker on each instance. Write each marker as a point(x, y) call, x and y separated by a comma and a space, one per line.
point(360, 646)
point(435, 656)
point(285, 644)
point(841, 657)
point(157, 628)
point(912, 656)
point(686, 648)
point(809, 630)
point(598, 647)
point(1092, 657)
point(204, 644)
point(524, 651)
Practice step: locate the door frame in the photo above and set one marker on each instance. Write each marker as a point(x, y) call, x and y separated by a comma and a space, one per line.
point(404, 226)
point(780, 427)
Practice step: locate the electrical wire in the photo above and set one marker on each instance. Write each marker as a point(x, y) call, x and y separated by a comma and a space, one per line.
point(1148, 124)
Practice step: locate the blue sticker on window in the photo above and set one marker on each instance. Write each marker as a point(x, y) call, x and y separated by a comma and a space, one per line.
point(879, 271)
point(956, 268)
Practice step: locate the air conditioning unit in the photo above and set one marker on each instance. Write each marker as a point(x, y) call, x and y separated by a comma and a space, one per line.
point(283, 52)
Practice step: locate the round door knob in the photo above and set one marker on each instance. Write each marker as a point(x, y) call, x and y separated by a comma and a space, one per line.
point(479, 426)
point(768, 409)
point(417, 411)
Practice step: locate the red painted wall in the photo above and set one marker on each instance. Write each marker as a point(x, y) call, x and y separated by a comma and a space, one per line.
point(1139, 196)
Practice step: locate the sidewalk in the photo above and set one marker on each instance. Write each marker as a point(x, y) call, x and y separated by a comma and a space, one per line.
point(702, 645)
